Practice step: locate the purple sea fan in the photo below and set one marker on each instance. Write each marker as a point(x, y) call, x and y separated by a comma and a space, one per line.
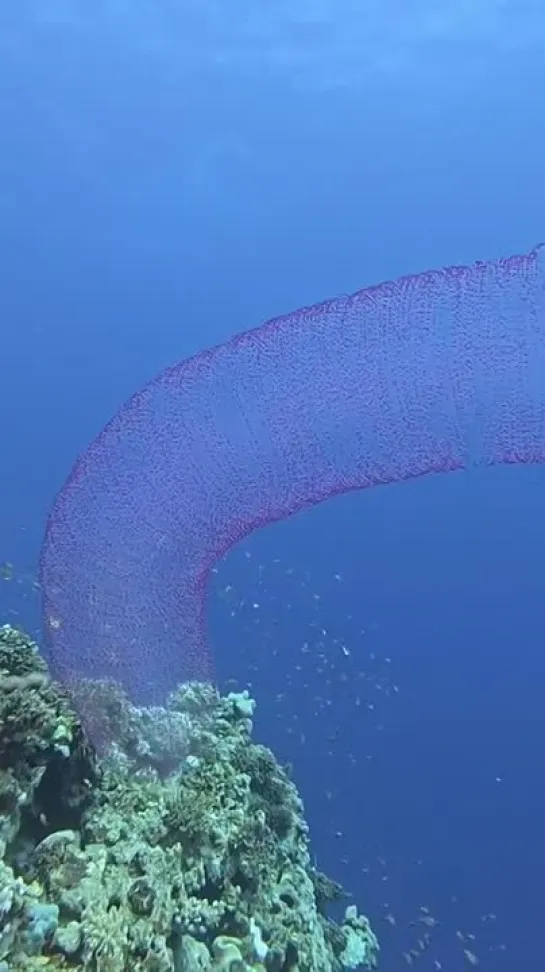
point(425, 374)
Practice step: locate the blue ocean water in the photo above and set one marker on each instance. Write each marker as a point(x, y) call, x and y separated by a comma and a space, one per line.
point(171, 173)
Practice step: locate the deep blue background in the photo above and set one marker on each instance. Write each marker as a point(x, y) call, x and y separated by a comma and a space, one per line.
point(172, 172)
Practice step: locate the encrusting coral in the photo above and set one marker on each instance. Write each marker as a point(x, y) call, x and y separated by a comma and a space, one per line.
point(182, 847)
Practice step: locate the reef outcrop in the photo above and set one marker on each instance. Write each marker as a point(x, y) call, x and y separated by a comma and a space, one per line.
point(181, 847)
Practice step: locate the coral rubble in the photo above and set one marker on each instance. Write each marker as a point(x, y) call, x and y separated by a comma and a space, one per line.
point(182, 847)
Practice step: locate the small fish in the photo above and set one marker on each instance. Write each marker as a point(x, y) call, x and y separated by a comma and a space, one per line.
point(6, 571)
point(429, 920)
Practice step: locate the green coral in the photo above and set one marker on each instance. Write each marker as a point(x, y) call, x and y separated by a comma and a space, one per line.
point(33, 713)
point(46, 768)
point(191, 854)
point(19, 654)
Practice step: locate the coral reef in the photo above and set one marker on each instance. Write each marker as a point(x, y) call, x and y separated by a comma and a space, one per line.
point(181, 847)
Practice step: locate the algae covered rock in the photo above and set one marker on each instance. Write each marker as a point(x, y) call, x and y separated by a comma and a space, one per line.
point(190, 851)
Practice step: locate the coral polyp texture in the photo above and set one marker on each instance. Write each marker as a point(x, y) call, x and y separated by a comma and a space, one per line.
point(183, 848)
point(425, 374)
